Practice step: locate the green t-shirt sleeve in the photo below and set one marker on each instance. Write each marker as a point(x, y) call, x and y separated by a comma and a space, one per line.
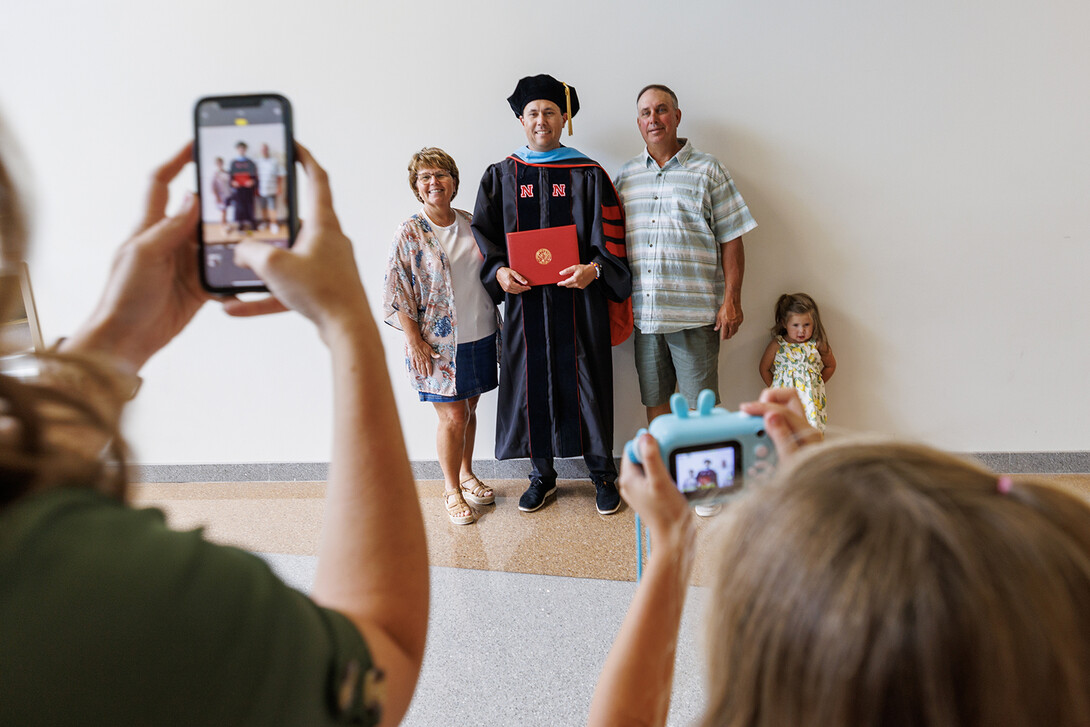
point(109, 617)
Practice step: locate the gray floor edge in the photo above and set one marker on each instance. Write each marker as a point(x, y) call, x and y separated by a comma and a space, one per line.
point(1006, 462)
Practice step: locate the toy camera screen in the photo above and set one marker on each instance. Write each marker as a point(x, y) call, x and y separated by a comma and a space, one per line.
point(244, 163)
point(703, 470)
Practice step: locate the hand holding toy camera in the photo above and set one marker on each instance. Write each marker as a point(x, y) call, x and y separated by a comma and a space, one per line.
point(711, 452)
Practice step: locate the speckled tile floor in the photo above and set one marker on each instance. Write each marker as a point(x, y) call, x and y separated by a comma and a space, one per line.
point(521, 647)
point(565, 538)
point(524, 606)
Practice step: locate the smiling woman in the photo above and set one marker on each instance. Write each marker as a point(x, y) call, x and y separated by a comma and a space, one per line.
point(434, 272)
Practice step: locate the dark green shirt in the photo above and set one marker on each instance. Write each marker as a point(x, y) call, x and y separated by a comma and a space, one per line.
point(108, 617)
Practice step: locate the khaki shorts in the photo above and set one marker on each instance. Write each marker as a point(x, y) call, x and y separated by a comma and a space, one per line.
point(687, 360)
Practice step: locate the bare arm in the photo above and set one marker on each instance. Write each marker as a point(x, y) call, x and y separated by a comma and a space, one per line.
point(768, 358)
point(729, 318)
point(828, 361)
point(372, 557)
point(634, 687)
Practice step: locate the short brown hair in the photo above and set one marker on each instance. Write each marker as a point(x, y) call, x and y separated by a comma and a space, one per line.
point(799, 304)
point(657, 87)
point(897, 585)
point(432, 157)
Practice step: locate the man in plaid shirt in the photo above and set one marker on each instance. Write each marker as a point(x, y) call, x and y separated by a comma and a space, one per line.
point(684, 221)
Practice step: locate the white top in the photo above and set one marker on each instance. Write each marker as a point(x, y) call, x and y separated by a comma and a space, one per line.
point(472, 305)
point(269, 171)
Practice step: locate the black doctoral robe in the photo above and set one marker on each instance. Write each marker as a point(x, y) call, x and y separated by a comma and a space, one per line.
point(556, 368)
point(243, 171)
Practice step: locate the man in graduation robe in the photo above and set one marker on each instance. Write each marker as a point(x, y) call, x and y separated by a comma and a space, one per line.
point(556, 368)
point(243, 173)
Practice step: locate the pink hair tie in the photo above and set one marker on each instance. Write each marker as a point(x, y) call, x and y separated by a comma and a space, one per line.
point(1003, 484)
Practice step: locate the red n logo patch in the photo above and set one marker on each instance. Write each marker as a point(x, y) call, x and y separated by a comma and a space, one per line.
point(526, 190)
point(558, 190)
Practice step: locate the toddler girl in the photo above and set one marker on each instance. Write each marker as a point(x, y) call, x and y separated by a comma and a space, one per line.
point(799, 355)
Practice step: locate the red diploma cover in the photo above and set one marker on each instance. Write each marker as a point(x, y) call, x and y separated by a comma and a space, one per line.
point(540, 255)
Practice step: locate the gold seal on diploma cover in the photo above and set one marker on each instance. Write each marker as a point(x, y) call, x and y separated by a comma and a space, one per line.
point(543, 256)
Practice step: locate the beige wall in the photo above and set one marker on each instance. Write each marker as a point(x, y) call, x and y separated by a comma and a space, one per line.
point(921, 171)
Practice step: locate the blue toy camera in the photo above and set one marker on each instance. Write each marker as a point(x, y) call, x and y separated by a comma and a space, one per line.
point(711, 452)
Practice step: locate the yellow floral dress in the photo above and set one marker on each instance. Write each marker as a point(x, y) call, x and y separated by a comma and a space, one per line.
point(799, 365)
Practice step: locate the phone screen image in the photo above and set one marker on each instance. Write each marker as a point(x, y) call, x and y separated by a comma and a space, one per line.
point(246, 176)
point(707, 469)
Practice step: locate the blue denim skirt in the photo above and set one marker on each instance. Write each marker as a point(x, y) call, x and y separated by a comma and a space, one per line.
point(474, 371)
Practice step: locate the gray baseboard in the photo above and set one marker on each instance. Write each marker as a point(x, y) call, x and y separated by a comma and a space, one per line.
point(234, 472)
point(1037, 463)
point(568, 469)
point(513, 469)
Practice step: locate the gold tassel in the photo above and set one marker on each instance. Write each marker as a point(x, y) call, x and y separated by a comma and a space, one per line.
point(567, 100)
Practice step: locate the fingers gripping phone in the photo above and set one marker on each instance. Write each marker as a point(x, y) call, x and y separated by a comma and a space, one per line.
point(246, 176)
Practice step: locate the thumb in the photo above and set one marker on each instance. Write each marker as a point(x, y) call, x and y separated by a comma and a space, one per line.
point(255, 256)
point(170, 233)
point(247, 308)
point(651, 456)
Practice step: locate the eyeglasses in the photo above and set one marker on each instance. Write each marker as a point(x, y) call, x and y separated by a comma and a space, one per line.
point(428, 176)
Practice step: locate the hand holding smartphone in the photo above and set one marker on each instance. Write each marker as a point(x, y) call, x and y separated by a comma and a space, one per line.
point(245, 156)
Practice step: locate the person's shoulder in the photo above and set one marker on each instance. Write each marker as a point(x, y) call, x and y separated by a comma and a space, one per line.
point(636, 163)
point(592, 164)
point(710, 166)
point(501, 164)
point(581, 162)
point(704, 159)
point(43, 511)
point(595, 173)
point(632, 167)
point(129, 544)
point(412, 228)
point(413, 221)
point(497, 169)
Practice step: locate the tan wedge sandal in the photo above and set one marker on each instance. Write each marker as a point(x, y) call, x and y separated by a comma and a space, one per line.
point(477, 492)
point(456, 505)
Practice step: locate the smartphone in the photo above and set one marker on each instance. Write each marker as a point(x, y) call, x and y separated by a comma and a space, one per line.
point(245, 155)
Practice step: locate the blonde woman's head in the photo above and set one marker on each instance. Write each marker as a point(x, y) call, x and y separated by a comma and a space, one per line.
point(888, 584)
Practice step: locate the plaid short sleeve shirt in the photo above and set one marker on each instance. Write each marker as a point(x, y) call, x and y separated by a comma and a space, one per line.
point(676, 218)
